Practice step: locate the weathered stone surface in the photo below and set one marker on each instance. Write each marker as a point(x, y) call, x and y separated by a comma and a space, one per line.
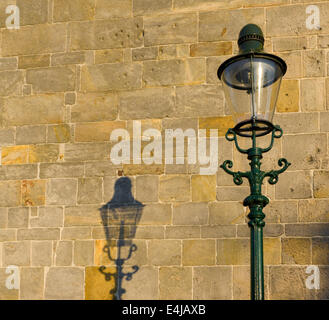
point(148, 53)
point(166, 29)
point(86, 151)
point(73, 10)
point(38, 109)
point(142, 7)
point(7, 136)
point(44, 153)
point(8, 64)
point(89, 190)
point(38, 39)
point(169, 277)
point(61, 170)
point(320, 249)
point(156, 214)
point(312, 95)
point(314, 63)
point(48, 217)
point(83, 252)
point(54, 79)
point(17, 172)
point(64, 283)
point(58, 133)
point(199, 101)
point(42, 253)
point(290, 20)
point(211, 49)
point(321, 186)
point(32, 11)
point(11, 83)
point(203, 188)
point(233, 251)
point(288, 100)
point(174, 72)
point(299, 122)
point(289, 44)
point(294, 185)
point(146, 103)
point(106, 34)
point(224, 213)
point(108, 56)
point(307, 230)
point(105, 77)
point(94, 107)
point(16, 253)
point(14, 155)
point(293, 60)
point(86, 215)
point(198, 252)
point(183, 232)
point(218, 231)
point(164, 252)
point(212, 283)
point(77, 233)
point(68, 58)
point(174, 188)
point(144, 284)
point(305, 151)
point(150, 232)
point(10, 193)
point(147, 188)
point(313, 211)
point(31, 134)
point(63, 253)
point(96, 288)
point(220, 123)
point(38, 234)
point(33, 61)
point(296, 251)
point(96, 131)
point(61, 191)
point(31, 283)
point(226, 25)
point(190, 214)
point(33, 192)
point(107, 9)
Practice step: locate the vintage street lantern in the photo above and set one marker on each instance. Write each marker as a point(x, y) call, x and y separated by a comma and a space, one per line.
point(251, 82)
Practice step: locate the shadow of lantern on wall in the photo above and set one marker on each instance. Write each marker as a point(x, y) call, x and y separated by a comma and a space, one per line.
point(120, 217)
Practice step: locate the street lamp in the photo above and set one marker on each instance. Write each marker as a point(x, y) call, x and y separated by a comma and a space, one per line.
point(251, 82)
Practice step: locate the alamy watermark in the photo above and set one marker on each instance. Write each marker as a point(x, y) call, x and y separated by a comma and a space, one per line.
point(13, 20)
point(156, 151)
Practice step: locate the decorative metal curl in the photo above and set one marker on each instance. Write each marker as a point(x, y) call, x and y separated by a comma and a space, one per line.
point(274, 174)
point(237, 176)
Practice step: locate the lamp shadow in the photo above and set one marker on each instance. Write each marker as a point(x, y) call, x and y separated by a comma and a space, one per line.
point(120, 217)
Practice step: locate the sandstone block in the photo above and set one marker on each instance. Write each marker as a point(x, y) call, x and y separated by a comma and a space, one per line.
point(108, 56)
point(220, 123)
point(8, 63)
point(11, 83)
point(307, 229)
point(313, 210)
point(106, 34)
point(43, 153)
point(183, 232)
point(42, 253)
point(212, 283)
point(108, 9)
point(288, 100)
point(83, 252)
point(147, 188)
point(48, 217)
point(148, 53)
point(64, 283)
point(174, 72)
point(7, 136)
point(106, 77)
point(82, 215)
point(218, 231)
point(31, 283)
point(198, 252)
point(38, 234)
point(94, 107)
point(294, 185)
point(156, 214)
point(203, 188)
point(296, 251)
point(16, 253)
point(164, 252)
point(86, 151)
point(38, 109)
point(142, 7)
point(176, 28)
point(33, 192)
point(320, 248)
point(298, 122)
point(34, 61)
point(31, 134)
point(314, 63)
point(17, 172)
point(73, 10)
point(63, 253)
point(89, 190)
point(190, 214)
point(146, 103)
point(61, 191)
point(224, 213)
point(59, 133)
point(14, 155)
point(10, 193)
point(211, 49)
point(321, 186)
point(169, 277)
point(312, 95)
point(174, 188)
point(36, 39)
point(68, 58)
point(54, 79)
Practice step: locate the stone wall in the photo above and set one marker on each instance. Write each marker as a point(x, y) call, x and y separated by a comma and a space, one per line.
point(78, 69)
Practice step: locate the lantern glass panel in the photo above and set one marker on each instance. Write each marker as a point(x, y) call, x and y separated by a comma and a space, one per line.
point(251, 85)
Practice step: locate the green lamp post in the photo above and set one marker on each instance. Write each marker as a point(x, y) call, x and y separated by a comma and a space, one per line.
point(251, 82)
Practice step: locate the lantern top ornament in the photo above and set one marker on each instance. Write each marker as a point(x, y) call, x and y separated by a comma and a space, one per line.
point(251, 39)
